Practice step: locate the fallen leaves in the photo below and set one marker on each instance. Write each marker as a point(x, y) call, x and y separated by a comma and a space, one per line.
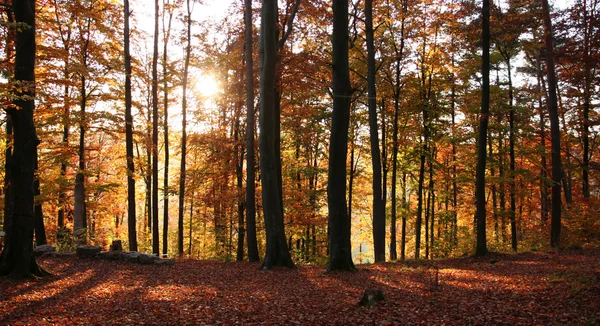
point(524, 289)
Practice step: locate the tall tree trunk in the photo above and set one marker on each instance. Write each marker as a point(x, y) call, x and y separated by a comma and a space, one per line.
point(155, 122)
point(544, 199)
point(431, 208)
point(378, 201)
point(554, 129)
point(511, 151)
point(17, 256)
point(250, 157)
point(80, 218)
point(480, 214)
point(62, 196)
point(397, 89)
point(131, 218)
point(277, 253)
point(404, 212)
point(454, 162)
point(239, 163)
point(340, 248)
point(40, 230)
point(165, 64)
point(8, 200)
point(182, 171)
point(587, 80)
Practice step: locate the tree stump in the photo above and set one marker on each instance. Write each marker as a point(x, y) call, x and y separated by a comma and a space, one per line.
point(116, 245)
point(371, 297)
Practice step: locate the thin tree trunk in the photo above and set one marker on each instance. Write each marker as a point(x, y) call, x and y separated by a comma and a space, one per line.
point(250, 157)
point(155, 122)
point(40, 230)
point(587, 80)
point(165, 63)
point(480, 214)
point(378, 201)
point(131, 218)
point(397, 89)
point(511, 151)
point(182, 171)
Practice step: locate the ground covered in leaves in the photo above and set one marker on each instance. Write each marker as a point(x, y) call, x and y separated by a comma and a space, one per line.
point(525, 289)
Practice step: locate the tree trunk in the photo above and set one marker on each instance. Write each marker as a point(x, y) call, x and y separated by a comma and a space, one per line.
point(340, 248)
point(155, 122)
point(131, 218)
point(80, 218)
point(40, 230)
point(511, 151)
point(7, 170)
point(587, 80)
point(17, 256)
point(378, 201)
point(480, 214)
point(554, 129)
point(250, 157)
point(397, 89)
point(182, 172)
point(545, 201)
point(277, 253)
point(165, 63)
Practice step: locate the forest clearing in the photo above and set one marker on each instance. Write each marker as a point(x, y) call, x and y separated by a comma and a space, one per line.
point(544, 288)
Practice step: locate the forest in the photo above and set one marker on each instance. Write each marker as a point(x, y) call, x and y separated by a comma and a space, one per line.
point(299, 132)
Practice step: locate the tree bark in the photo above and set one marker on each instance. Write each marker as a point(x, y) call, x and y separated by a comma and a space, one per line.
point(182, 171)
point(155, 122)
point(131, 218)
point(340, 248)
point(40, 230)
point(480, 214)
point(378, 201)
point(17, 256)
point(250, 157)
point(165, 63)
point(554, 129)
point(277, 253)
point(397, 89)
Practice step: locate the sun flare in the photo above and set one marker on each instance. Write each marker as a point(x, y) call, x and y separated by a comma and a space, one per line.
point(207, 86)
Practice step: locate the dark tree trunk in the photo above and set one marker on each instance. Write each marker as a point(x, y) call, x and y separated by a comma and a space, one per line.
point(545, 200)
point(239, 159)
point(80, 218)
point(340, 249)
point(554, 129)
point(397, 89)
point(277, 253)
point(131, 218)
point(155, 122)
point(378, 201)
point(182, 172)
point(480, 214)
point(17, 256)
point(62, 196)
point(250, 157)
point(404, 212)
point(165, 63)
point(587, 80)
point(511, 151)
point(40, 230)
point(7, 171)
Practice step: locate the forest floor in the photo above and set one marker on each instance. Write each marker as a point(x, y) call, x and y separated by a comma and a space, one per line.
point(501, 289)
